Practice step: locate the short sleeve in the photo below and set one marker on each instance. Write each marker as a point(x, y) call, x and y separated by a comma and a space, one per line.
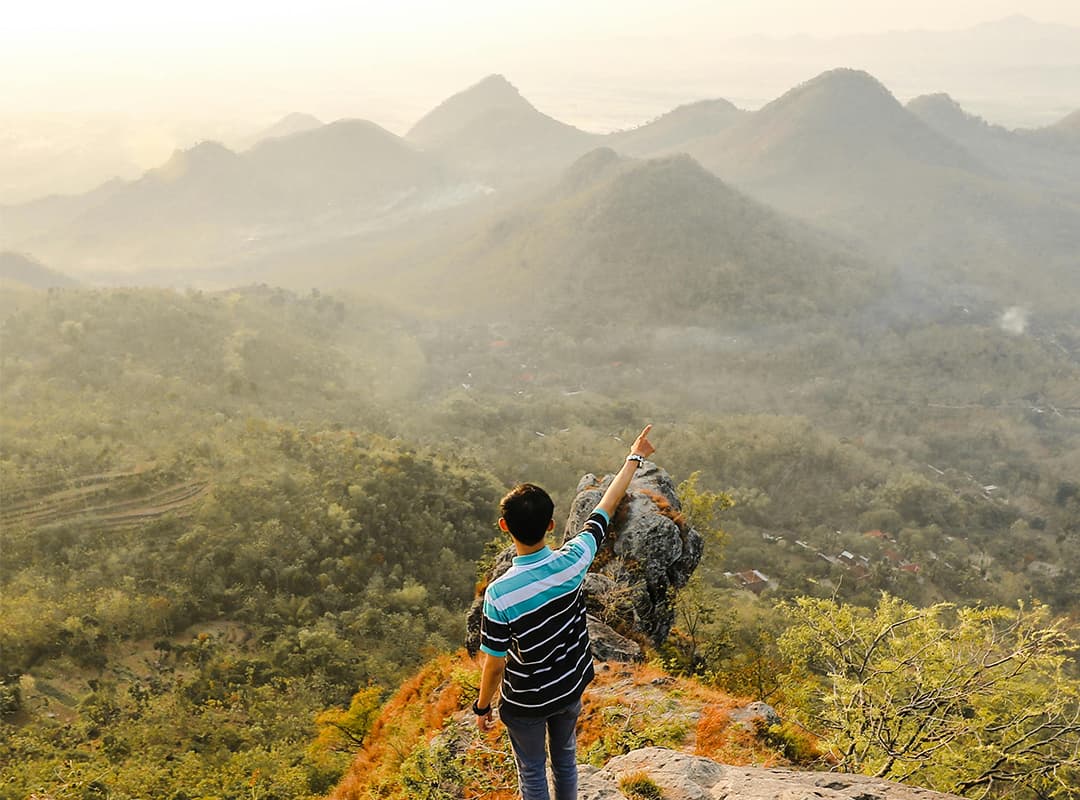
point(596, 527)
point(494, 632)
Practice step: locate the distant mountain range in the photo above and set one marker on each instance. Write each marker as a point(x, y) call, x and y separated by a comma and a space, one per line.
point(613, 233)
point(1014, 71)
point(928, 188)
point(208, 205)
point(917, 188)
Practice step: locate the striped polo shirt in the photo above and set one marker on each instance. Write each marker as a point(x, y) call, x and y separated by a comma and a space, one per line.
point(534, 615)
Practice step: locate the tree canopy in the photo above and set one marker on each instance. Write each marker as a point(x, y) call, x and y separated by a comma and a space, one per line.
point(977, 701)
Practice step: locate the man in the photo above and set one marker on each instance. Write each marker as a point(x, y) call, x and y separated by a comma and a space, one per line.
point(534, 636)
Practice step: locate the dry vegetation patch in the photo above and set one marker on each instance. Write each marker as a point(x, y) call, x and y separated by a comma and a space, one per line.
point(426, 735)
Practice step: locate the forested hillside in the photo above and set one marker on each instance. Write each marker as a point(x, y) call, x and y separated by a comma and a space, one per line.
point(197, 558)
point(223, 514)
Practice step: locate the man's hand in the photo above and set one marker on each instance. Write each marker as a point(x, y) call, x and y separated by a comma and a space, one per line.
point(642, 446)
point(614, 494)
point(485, 722)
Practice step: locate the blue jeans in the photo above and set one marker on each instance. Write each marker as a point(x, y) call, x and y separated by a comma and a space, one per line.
point(528, 734)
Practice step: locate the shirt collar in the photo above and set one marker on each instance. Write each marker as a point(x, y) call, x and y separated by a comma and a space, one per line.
point(532, 558)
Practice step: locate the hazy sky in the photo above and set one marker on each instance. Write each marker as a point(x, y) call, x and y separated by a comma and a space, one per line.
point(384, 26)
point(95, 88)
point(148, 54)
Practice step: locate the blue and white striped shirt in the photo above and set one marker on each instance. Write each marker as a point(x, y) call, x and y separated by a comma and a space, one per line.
point(534, 615)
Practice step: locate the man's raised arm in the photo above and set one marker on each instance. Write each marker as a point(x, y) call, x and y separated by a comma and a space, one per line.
point(613, 496)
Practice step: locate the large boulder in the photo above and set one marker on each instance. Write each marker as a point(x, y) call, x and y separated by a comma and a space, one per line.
point(650, 553)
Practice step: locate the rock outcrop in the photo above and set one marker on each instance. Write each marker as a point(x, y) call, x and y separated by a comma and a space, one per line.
point(680, 776)
point(650, 553)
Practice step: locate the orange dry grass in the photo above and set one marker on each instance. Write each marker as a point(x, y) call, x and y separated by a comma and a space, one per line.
point(712, 730)
point(647, 673)
point(435, 699)
point(719, 739)
point(592, 720)
point(415, 713)
point(665, 508)
point(599, 695)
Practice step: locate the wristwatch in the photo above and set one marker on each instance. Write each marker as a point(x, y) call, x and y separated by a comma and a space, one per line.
point(481, 712)
point(635, 457)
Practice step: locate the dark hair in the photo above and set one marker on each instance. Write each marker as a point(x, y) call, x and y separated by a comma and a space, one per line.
point(527, 510)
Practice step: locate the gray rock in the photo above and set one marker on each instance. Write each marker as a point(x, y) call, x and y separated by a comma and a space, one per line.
point(750, 783)
point(755, 714)
point(681, 776)
point(593, 787)
point(647, 557)
point(607, 645)
point(685, 777)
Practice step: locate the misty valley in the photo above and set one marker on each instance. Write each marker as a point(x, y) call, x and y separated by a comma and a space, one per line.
point(259, 406)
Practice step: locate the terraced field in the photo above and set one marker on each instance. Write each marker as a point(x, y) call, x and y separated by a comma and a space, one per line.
point(103, 501)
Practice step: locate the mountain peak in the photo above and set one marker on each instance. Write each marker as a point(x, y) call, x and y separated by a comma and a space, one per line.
point(206, 156)
point(293, 122)
point(341, 139)
point(300, 118)
point(493, 94)
point(496, 87)
point(838, 99)
point(948, 117)
point(590, 167)
point(716, 106)
point(847, 114)
point(492, 133)
point(848, 83)
point(353, 127)
point(677, 127)
point(940, 109)
point(937, 101)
